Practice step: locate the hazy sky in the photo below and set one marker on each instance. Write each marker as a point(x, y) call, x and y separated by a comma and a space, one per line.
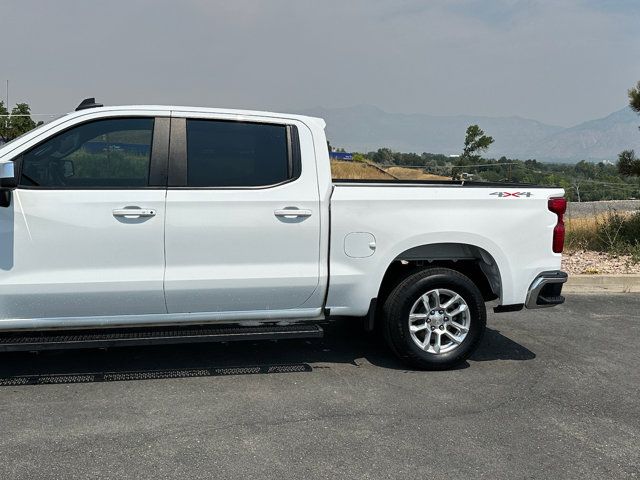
point(558, 61)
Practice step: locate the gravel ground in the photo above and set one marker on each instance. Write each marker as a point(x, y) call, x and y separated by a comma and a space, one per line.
point(596, 263)
point(590, 209)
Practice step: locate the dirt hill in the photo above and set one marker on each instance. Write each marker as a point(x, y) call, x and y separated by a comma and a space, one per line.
point(413, 174)
point(358, 171)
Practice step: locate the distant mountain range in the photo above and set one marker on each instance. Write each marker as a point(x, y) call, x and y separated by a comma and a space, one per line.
point(365, 128)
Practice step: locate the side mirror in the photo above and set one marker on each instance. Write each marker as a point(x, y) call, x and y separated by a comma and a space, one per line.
point(8, 179)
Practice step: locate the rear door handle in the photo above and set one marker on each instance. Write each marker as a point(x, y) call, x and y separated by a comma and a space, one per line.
point(292, 212)
point(134, 212)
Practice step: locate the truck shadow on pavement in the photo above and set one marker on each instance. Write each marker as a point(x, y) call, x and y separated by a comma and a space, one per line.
point(344, 343)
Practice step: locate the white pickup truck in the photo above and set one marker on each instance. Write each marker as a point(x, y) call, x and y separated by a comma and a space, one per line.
point(130, 219)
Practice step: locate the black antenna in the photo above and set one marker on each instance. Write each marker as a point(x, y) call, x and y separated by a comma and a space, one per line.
point(88, 103)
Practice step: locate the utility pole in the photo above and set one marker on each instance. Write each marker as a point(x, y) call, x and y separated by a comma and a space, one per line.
point(7, 94)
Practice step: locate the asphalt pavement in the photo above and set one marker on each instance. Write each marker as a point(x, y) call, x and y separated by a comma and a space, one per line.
point(551, 394)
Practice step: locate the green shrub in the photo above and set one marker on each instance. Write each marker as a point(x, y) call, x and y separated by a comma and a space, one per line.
point(630, 231)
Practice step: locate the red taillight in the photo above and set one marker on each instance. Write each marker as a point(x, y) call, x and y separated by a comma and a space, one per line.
point(558, 237)
point(558, 206)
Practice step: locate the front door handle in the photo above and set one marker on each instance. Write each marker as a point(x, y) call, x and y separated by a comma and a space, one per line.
point(134, 212)
point(292, 213)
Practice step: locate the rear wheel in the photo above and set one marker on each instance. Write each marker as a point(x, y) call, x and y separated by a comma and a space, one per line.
point(434, 319)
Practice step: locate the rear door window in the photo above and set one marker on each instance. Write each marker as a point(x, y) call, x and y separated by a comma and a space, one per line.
point(237, 154)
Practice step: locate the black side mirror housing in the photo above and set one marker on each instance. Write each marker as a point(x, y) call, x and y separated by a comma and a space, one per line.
point(8, 182)
point(5, 198)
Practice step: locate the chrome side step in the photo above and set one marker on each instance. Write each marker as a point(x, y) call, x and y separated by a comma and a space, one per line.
point(23, 341)
point(163, 320)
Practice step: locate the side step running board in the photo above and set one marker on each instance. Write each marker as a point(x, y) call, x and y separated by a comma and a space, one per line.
point(15, 342)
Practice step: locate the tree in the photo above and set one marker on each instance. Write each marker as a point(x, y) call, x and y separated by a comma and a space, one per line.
point(383, 156)
point(475, 143)
point(634, 98)
point(19, 122)
point(628, 164)
point(4, 123)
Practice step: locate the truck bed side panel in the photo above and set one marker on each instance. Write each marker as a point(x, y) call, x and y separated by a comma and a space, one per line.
point(516, 230)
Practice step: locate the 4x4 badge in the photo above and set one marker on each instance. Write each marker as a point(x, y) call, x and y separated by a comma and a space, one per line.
point(512, 194)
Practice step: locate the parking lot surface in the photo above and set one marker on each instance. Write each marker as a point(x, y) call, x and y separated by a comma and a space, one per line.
point(550, 394)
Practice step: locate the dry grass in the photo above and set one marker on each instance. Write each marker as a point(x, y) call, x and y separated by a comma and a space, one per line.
point(413, 174)
point(612, 233)
point(580, 229)
point(583, 233)
point(357, 171)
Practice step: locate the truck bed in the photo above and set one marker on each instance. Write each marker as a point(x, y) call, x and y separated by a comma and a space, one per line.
point(438, 183)
point(510, 223)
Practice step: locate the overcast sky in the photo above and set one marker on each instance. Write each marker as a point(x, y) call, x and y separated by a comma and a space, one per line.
point(557, 61)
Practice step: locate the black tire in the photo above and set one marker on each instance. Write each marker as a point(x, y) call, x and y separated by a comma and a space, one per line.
point(398, 305)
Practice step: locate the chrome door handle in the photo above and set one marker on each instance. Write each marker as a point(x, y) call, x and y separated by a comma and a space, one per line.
point(134, 212)
point(292, 212)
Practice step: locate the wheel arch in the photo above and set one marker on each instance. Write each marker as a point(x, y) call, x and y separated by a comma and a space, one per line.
point(358, 286)
point(471, 260)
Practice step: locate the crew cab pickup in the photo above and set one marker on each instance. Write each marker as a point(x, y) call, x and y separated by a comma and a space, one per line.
point(153, 216)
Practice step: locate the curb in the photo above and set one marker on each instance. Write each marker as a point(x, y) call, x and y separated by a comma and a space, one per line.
point(602, 283)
